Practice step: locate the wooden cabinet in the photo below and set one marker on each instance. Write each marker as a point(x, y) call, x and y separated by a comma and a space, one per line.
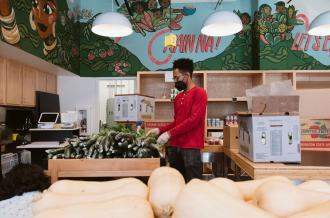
point(29, 86)
point(2, 80)
point(19, 83)
point(51, 83)
point(41, 81)
point(13, 83)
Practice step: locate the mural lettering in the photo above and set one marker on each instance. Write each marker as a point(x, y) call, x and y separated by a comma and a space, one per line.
point(302, 42)
point(186, 43)
point(284, 42)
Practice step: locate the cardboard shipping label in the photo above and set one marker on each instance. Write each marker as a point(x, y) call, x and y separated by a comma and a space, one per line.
point(315, 134)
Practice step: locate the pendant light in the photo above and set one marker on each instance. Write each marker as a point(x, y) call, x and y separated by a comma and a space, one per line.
point(222, 23)
point(320, 26)
point(112, 24)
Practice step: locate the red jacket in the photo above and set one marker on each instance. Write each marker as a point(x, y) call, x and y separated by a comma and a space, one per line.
point(187, 130)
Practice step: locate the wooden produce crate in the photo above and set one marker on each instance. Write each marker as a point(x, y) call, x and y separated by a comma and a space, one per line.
point(117, 167)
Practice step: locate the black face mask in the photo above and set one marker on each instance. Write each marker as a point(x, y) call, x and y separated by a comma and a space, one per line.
point(180, 85)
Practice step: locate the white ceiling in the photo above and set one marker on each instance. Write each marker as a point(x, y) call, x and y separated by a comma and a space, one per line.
point(21, 56)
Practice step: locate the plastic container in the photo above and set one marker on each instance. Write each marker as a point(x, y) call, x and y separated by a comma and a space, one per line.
point(8, 162)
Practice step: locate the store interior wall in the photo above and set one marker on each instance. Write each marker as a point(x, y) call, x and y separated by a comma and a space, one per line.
point(86, 92)
point(108, 88)
point(314, 103)
point(77, 92)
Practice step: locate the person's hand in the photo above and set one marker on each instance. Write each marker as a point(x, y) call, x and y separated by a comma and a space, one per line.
point(163, 138)
point(153, 131)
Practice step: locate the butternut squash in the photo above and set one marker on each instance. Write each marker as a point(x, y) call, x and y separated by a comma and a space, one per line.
point(201, 199)
point(248, 188)
point(316, 185)
point(117, 208)
point(319, 211)
point(75, 187)
point(228, 186)
point(283, 199)
point(162, 171)
point(163, 193)
point(51, 200)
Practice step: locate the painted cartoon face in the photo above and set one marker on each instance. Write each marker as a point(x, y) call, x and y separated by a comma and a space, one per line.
point(139, 9)
point(152, 4)
point(290, 12)
point(158, 14)
point(44, 14)
point(280, 9)
point(267, 10)
point(164, 3)
point(245, 20)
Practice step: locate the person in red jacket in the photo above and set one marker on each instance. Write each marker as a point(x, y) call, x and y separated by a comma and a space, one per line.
point(186, 133)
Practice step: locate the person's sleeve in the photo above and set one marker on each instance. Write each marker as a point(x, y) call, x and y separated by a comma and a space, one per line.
point(166, 128)
point(198, 111)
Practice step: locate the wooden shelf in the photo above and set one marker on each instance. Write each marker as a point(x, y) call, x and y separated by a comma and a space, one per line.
point(162, 100)
point(222, 86)
point(235, 99)
point(215, 127)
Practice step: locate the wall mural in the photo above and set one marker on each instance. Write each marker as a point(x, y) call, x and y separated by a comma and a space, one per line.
point(284, 42)
point(48, 29)
point(144, 49)
point(274, 35)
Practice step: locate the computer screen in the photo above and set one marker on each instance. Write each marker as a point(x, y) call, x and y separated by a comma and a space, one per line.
point(47, 102)
point(48, 118)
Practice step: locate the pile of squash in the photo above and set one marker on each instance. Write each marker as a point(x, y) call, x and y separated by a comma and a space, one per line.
point(167, 196)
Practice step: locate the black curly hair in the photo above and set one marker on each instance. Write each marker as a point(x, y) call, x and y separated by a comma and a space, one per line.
point(23, 178)
point(184, 65)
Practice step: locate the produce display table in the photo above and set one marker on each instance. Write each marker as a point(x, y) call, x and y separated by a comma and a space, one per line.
point(117, 167)
point(304, 171)
point(213, 148)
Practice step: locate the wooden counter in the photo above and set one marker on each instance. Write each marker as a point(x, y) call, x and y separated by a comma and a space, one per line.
point(117, 167)
point(213, 148)
point(292, 171)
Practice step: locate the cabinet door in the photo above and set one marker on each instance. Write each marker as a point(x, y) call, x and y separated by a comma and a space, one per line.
point(41, 81)
point(13, 83)
point(2, 80)
point(51, 83)
point(29, 86)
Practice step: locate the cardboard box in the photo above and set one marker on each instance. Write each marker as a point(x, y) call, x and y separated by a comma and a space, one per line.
point(315, 134)
point(275, 105)
point(230, 134)
point(151, 124)
point(134, 107)
point(270, 138)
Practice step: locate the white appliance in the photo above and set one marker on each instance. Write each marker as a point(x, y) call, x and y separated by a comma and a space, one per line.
point(47, 120)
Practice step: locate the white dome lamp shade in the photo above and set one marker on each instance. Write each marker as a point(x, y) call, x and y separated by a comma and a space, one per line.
point(320, 26)
point(112, 24)
point(222, 23)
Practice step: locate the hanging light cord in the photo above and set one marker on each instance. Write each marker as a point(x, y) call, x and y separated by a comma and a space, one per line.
point(218, 3)
point(170, 16)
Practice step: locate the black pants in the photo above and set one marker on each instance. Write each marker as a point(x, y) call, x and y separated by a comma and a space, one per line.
point(187, 161)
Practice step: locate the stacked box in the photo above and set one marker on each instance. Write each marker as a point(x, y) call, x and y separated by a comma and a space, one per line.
point(274, 135)
point(230, 139)
point(134, 107)
point(270, 138)
point(315, 134)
